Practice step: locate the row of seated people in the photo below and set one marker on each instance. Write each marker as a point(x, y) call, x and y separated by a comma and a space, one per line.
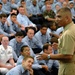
point(9, 26)
point(35, 6)
point(20, 22)
point(12, 25)
point(43, 29)
point(40, 67)
point(35, 14)
point(36, 39)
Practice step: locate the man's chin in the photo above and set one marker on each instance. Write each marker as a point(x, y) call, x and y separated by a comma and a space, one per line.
point(28, 68)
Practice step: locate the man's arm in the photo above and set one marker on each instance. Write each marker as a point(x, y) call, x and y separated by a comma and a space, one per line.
point(5, 66)
point(11, 61)
point(56, 56)
point(61, 56)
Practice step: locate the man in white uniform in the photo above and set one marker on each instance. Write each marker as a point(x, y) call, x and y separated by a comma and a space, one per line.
point(6, 56)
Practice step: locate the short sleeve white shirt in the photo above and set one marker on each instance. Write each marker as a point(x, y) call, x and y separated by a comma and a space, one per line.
point(5, 54)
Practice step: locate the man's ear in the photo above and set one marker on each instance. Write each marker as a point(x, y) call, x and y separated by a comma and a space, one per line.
point(22, 62)
point(67, 18)
point(21, 53)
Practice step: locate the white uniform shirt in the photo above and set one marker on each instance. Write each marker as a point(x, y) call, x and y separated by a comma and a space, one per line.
point(5, 54)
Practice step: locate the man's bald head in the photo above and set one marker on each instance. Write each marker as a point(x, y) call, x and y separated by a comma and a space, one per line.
point(65, 11)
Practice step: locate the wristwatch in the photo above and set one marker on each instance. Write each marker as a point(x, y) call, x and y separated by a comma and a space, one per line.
point(48, 56)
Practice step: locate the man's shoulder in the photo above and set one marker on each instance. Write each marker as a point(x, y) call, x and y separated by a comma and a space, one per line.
point(9, 47)
point(1, 48)
point(25, 38)
point(38, 33)
point(21, 57)
point(13, 40)
point(15, 70)
point(71, 27)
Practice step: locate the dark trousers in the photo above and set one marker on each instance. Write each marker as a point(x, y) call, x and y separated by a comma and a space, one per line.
point(36, 50)
point(41, 72)
point(54, 71)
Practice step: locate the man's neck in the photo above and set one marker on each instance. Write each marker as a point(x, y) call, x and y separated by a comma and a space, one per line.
point(5, 47)
point(2, 23)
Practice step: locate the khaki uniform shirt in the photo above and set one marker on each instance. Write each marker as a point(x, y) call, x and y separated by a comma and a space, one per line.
point(67, 46)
